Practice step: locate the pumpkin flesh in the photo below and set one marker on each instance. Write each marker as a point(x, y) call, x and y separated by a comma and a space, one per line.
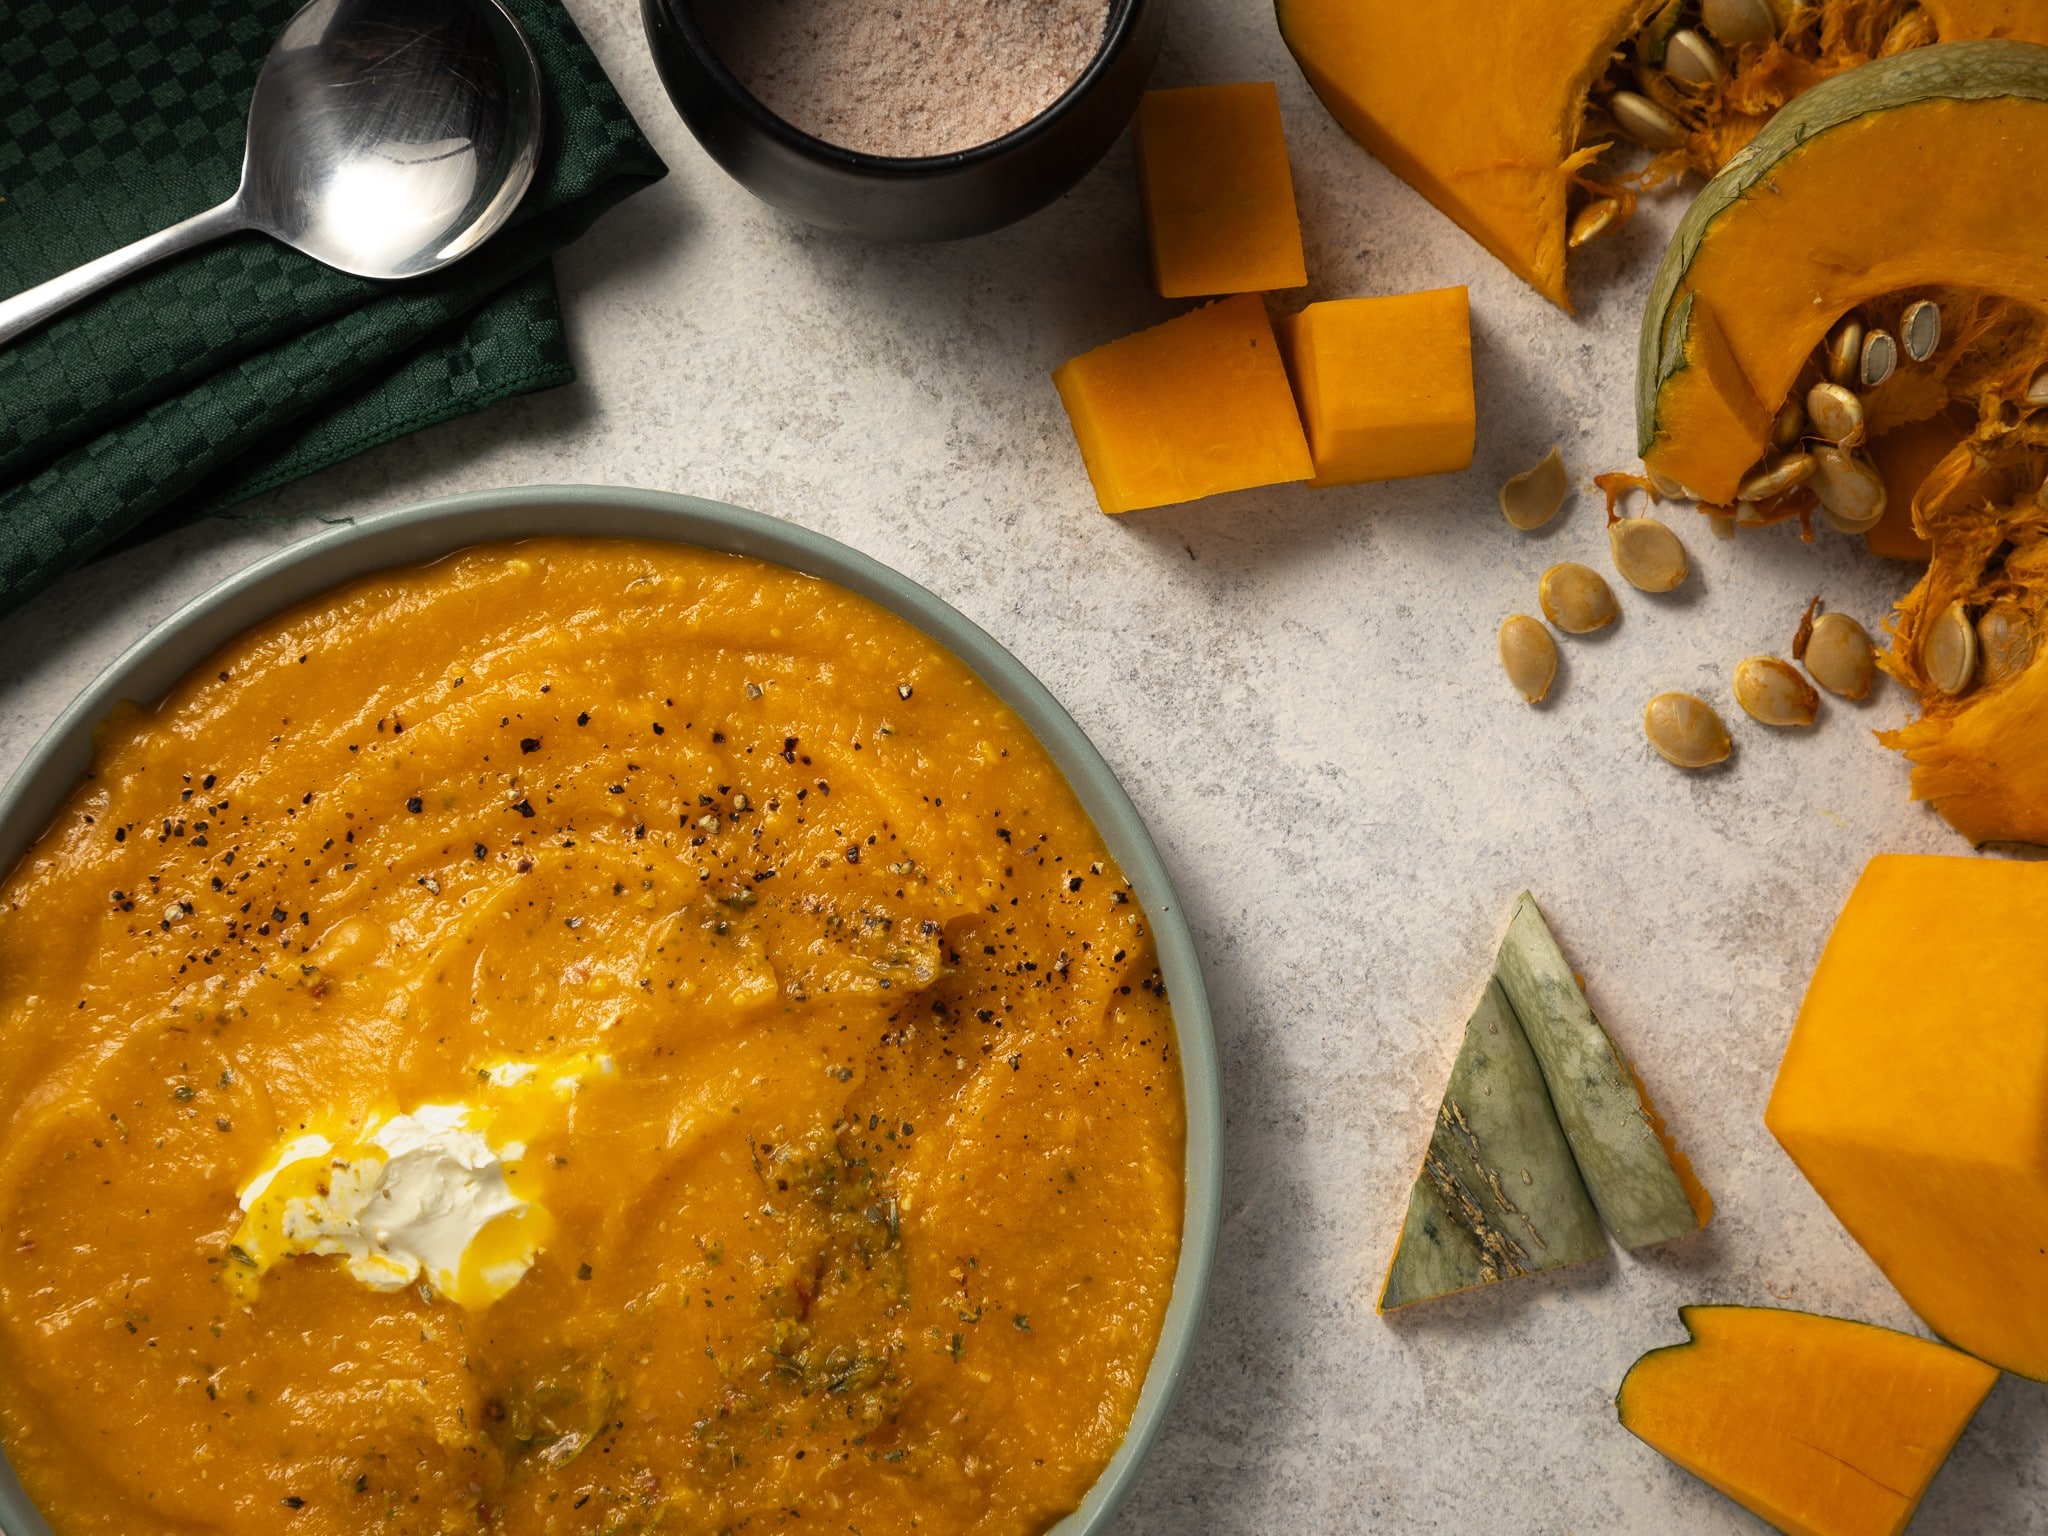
point(1913, 1093)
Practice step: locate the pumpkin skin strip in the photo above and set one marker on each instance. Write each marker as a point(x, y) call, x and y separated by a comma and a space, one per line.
point(1912, 171)
point(1821, 1426)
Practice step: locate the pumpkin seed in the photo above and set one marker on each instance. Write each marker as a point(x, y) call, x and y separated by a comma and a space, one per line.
point(1724, 527)
point(1835, 412)
point(1845, 350)
point(1735, 22)
point(1920, 329)
point(1948, 653)
point(1593, 221)
point(1772, 691)
point(1777, 475)
point(1880, 356)
point(1914, 29)
point(2005, 642)
point(1840, 656)
point(1647, 553)
point(1667, 487)
point(1685, 730)
point(1644, 121)
point(1531, 499)
point(1529, 656)
point(1576, 598)
point(1851, 491)
point(1690, 57)
point(1789, 426)
point(2037, 389)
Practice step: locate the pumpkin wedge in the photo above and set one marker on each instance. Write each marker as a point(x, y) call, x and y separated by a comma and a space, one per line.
point(1910, 176)
point(1913, 1093)
point(1821, 1426)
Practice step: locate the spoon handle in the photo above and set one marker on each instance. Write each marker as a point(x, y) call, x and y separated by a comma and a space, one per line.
point(30, 308)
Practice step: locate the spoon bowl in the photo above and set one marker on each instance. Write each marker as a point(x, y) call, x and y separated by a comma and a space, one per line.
point(387, 138)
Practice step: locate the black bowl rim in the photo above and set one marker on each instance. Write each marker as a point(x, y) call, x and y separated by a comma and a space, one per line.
point(1116, 35)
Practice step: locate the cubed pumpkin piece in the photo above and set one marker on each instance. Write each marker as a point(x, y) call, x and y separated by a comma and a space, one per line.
point(1384, 385)
point(1820, 1426)
point(1914, 1093)
point(1219, 200)
point(1191, 408)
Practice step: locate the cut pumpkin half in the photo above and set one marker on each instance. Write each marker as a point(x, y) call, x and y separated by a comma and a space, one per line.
point(1516, 120)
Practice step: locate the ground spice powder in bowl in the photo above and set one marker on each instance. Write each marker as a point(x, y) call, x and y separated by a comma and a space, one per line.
point(906, 78)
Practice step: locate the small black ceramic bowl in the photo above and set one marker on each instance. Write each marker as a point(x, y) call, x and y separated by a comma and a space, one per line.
point(931, 197)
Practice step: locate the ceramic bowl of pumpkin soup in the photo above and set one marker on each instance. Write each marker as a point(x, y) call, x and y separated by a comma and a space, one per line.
point(587, 1011)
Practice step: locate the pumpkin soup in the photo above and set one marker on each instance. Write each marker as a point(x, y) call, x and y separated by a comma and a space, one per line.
point(586, 1036)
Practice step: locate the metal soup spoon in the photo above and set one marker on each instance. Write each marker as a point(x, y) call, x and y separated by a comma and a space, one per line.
point(386, 138)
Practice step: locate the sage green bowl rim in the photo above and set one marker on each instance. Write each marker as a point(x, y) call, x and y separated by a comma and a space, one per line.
point(426, 531)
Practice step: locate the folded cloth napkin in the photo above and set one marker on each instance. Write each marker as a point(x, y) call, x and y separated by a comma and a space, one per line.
point(237, 367)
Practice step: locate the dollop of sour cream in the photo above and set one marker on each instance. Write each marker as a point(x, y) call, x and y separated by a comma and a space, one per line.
point(431, 1195)
point(422, 1195)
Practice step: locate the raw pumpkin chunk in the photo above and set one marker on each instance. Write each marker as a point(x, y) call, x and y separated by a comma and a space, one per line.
point(1384, 384)
point(1641, 1186)
point(1499, 1195)
point(1219, 199)
point(1914, 1093)
point(1820, 1426)
point(1191, 408)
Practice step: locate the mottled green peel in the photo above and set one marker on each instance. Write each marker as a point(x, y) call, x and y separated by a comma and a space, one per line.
point(1499, 1194)
point(1620, 1156)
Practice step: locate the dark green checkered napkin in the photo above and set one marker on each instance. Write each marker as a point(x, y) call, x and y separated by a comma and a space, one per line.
point(236, 368)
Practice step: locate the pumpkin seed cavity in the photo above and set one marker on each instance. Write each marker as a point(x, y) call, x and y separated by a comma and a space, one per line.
point(1528, 655)
point(1531, 499)
point(1773, 692)
point(1576, 598)
point(1686, 731)
point(1648, 554)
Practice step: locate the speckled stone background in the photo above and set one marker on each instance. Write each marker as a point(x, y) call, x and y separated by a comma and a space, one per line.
point(1300, 691)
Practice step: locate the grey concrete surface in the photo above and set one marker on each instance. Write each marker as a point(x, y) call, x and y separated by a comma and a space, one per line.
point(1300, 691)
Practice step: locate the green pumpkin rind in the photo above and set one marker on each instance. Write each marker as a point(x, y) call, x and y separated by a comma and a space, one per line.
point(1973, 70)
point(1624, 1163)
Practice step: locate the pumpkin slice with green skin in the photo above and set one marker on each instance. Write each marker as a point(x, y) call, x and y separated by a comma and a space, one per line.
point(1643, 1192)
point(1912, 172)
point(1499, 1195)
point(1821, 1426)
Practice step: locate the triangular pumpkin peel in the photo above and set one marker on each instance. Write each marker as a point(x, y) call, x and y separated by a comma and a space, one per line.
point(1543, 1132)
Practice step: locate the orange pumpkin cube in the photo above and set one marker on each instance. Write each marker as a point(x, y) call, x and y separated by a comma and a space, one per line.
point(1190, 408)
point(1914, 1093)
point(1384, 385)
point(1219, 199)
